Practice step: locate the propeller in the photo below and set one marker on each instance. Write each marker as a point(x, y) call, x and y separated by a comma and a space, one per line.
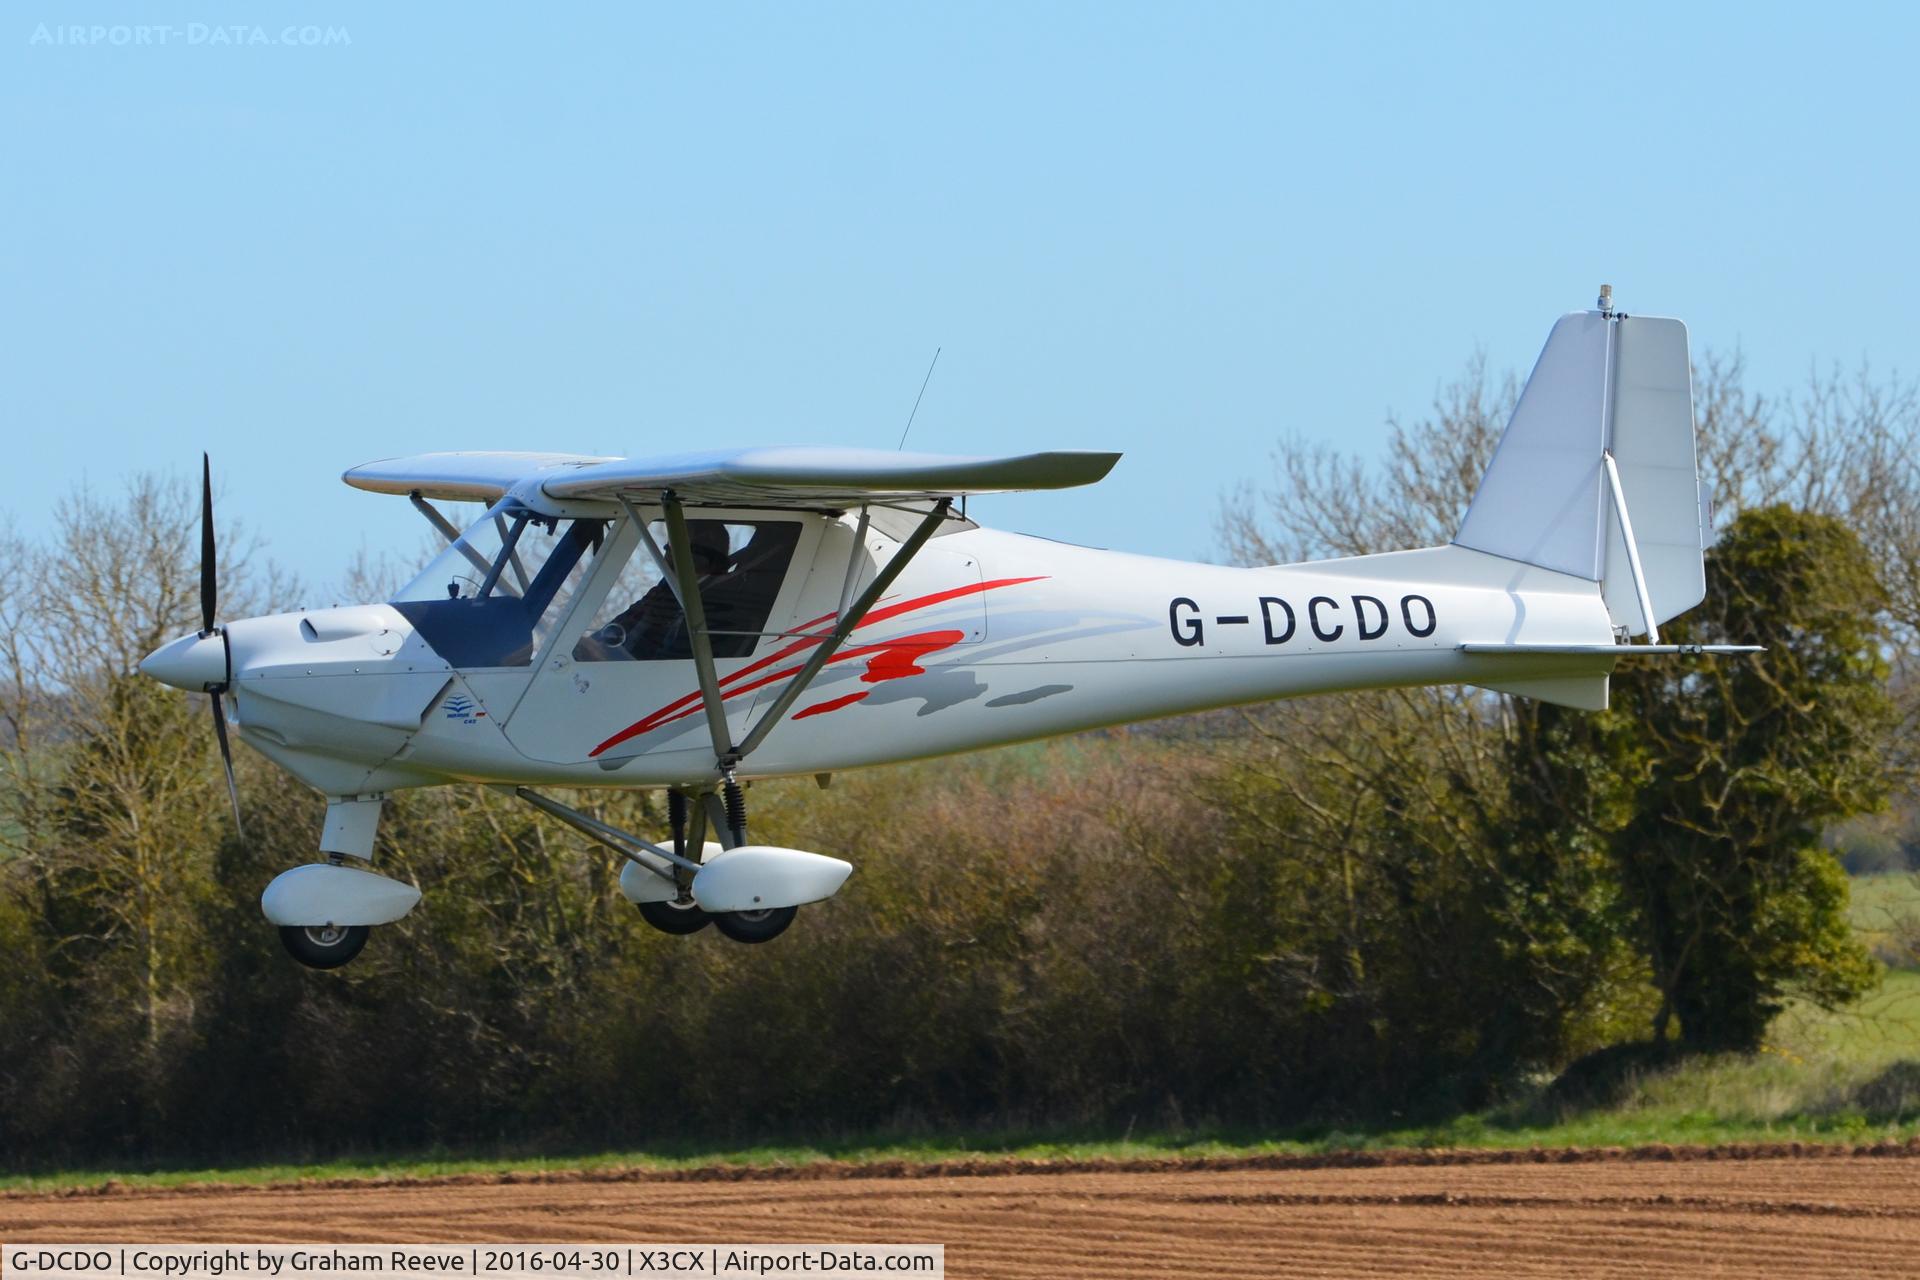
point(209, 604)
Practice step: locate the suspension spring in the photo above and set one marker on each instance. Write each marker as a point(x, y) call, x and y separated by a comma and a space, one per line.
point(736, 809)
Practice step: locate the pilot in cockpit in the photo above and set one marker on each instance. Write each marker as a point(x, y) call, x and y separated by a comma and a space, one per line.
point(654, 626)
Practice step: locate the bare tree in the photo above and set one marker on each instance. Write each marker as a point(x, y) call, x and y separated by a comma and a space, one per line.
point(111, 802)
point(1325, 502)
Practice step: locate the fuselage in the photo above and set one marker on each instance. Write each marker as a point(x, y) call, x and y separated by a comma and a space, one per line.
point(986, 638)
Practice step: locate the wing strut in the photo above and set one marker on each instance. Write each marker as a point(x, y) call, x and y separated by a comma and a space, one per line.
point(849, 619)
point(653, 549)
point(853, 561)
point(680, 547)
point(676, 565)
point(447, 531)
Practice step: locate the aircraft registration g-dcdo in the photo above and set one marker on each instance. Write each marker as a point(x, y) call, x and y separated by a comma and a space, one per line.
point(694, 622)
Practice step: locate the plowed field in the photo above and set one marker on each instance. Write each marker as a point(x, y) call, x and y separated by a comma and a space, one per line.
point(1753, 1211)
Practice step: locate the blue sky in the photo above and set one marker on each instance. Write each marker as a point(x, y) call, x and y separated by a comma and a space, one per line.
point(1177, 231)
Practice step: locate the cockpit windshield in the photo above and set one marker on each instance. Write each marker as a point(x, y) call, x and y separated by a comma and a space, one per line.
point(490, 598)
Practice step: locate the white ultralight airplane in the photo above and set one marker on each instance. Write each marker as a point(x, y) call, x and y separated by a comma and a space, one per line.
point(698, 621)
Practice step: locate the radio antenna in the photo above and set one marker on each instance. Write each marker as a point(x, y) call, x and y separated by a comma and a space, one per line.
point(916, 400)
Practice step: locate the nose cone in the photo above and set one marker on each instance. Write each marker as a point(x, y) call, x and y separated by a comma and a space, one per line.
point(192, 662)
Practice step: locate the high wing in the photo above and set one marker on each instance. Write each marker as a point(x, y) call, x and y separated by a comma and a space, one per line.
point(805, 477)
point(461, 477)
point(793, 478)
point(812, 477)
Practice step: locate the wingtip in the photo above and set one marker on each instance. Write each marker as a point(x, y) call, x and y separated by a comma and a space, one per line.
point(1102, 462)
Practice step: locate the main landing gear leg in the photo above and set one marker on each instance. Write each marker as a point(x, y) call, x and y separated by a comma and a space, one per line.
point(680, 914)
point(728, 811)
point(665, 895)
point(670, 912)
point(726, 807)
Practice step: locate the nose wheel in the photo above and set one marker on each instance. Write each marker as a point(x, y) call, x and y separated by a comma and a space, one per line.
point(326, 946)
point(755, 926)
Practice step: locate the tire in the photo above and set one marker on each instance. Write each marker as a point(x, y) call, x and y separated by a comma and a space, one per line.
point(672, 917)
point(755, 926)
point(324, 946)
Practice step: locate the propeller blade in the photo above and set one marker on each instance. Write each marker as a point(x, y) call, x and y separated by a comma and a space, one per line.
point(226, 759)
point(209, 595)
point(209, 609)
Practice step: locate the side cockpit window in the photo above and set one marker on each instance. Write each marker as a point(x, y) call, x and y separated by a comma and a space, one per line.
point(492, 597)
point(740, 564)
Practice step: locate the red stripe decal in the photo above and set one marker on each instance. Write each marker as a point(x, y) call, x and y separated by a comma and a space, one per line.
point(898, 659)
point(831, 704)
point(923, 644)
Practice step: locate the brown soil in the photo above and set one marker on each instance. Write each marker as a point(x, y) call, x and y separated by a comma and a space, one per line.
point(1687, 1211)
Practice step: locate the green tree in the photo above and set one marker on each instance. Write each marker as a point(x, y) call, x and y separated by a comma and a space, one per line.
point(1745, 763)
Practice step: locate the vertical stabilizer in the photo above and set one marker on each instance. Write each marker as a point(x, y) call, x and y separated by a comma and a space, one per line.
point(1604, 383)
point(1540, 499)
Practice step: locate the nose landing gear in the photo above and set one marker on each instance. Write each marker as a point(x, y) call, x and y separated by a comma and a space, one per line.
point(326, 946)
point(755, 926)
point(325, 910)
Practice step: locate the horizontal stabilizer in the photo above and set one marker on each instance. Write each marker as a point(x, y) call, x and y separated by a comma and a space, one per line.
point(1622, 650)
point(1581, 686)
